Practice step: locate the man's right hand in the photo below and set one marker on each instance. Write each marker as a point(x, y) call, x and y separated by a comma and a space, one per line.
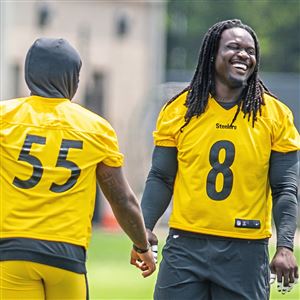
point(143, 261)
point(152, 239)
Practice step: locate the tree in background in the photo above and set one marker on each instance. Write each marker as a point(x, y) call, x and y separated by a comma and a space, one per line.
point(277, 24)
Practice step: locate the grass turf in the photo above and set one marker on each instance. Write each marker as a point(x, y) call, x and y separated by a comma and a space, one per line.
point(111, 277)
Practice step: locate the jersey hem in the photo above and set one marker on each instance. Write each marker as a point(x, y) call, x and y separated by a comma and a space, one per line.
point(165, 144)
point(45, 238)
point(220, 233)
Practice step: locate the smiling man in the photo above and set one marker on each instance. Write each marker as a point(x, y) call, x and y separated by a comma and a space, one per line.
point(235, 61)
point(226, 150)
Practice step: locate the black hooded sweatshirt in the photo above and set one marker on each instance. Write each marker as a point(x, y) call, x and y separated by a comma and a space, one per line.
point(52, 69)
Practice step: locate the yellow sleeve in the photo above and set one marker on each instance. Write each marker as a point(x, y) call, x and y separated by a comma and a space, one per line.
point(286, 137)
point(169, 122)
point(113, 157)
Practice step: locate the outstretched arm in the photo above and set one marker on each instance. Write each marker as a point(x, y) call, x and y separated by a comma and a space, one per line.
point(284, 176)
point(127, 212)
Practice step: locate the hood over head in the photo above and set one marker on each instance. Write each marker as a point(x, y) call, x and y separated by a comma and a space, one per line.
point(52, 68)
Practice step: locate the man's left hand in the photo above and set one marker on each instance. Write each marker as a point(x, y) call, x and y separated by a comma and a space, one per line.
point(285, 269)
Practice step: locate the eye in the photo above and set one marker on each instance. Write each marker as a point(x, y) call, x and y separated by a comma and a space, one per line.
point(233, 46)
point(251, 51)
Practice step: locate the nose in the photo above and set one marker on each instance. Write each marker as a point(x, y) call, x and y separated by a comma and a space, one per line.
point(243, 53)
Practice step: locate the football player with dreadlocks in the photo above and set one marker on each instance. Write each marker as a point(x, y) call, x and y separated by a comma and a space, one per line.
point(226, 150)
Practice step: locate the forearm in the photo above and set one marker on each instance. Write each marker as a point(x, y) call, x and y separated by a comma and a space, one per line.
point(123, 203)
point(159, 185)
point(284, 176)
point(285, 219)
point(156, 199)
point(129, 216)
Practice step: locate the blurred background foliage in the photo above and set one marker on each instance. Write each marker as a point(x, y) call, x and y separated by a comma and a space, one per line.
point(276, 23)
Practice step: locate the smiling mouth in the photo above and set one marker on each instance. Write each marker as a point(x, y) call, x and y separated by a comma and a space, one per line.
point(240, 66)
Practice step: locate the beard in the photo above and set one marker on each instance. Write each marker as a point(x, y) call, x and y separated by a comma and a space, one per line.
point(236, 83)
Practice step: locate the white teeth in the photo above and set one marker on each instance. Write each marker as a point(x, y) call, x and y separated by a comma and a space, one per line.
point(240, 66)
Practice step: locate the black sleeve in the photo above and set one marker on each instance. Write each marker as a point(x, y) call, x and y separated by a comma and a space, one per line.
point(284, 180)
point(159, 185)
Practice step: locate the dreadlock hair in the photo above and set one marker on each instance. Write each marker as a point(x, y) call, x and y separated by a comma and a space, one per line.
point(203, 81)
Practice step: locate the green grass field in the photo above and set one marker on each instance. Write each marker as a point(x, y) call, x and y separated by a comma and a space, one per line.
point(112, 277)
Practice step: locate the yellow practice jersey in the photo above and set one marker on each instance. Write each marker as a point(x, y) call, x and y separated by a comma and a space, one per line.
point(222, 186)
point(49, 152)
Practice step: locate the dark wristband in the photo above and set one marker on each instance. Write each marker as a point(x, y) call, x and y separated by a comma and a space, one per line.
point(140, 250)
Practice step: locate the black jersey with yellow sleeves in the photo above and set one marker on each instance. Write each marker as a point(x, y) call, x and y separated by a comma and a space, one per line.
point(222, 186)
point(50, 148)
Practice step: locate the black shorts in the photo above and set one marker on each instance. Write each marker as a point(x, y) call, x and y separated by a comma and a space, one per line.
point(212, 268)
